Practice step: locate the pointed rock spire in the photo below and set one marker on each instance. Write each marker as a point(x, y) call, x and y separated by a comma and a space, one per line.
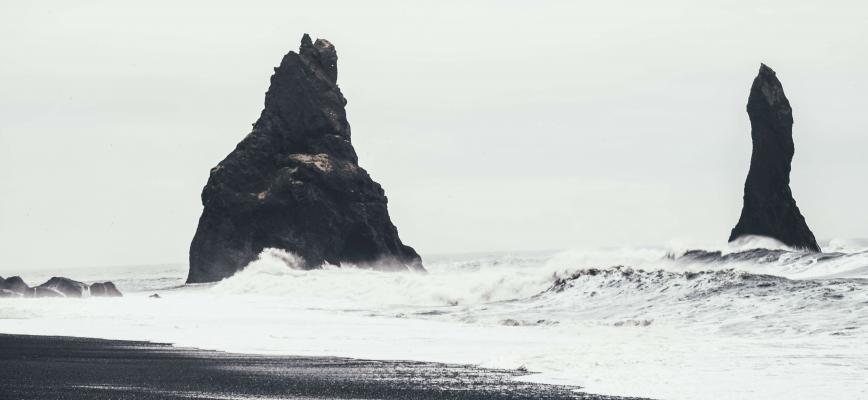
point(769, 208)
point(323, 54)
point(294, 183)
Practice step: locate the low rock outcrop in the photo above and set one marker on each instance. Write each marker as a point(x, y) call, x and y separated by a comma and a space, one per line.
point(769, 208)
point(57, 287)
point(104, 289)
point(65, 286)
point(294, 183)
point(15, 286)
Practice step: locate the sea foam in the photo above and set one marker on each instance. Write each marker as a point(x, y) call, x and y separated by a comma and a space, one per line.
point(656, 322)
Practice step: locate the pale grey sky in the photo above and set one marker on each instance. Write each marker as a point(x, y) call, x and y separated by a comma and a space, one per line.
point(491, 125)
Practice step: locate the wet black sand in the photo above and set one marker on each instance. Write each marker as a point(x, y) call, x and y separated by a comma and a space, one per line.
point(47, 367)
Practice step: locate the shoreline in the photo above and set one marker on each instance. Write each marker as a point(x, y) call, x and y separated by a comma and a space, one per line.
point(36, 367)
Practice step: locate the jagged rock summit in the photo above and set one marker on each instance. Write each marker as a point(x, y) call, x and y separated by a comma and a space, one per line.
point(294, 183)
point(769, 208)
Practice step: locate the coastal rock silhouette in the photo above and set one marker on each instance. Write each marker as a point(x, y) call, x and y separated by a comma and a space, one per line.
point(294, 183)
point(64, 286)
point(57, 287)
point(769, 208)
point(104, 289)
point(14, 286)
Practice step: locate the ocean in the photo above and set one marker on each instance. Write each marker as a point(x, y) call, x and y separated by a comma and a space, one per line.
point(750, 321)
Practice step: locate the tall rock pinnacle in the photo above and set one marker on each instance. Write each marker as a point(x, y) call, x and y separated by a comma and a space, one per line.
point(294, 183)
point(769, 208)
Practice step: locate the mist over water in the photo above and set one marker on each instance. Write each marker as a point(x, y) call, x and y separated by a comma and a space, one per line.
point(753, 320)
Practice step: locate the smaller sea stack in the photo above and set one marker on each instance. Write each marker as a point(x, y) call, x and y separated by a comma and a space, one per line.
point(769, 208)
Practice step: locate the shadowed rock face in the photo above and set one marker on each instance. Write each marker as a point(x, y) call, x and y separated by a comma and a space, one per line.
point(294, 183)
point(104, 289)
point(769, 208)
point(14, 285)
point(65, 286)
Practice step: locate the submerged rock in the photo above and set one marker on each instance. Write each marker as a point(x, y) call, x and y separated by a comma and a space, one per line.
point(769, 208)
point(46, 292)
point(9, 293)
point(294, 183)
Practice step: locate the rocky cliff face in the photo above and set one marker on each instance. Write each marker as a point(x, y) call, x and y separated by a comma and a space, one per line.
point(294, 183)
point(769, 208)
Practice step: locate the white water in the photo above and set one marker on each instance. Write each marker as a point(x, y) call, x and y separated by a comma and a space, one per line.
point(662, 326)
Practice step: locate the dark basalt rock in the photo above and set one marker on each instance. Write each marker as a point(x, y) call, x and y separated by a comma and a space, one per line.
point(294, 183)
point(104, 289)
point(56, 287)
point(15, 285)
point(769, 208)
point(65, 286)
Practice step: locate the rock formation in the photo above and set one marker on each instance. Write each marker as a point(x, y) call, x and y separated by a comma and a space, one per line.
point(56, 287)
point(65, 286)
point(104, 289)
point(769, 208)
point(294, 183)
point(14, 286)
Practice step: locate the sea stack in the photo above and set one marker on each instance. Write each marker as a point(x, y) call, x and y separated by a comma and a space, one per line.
point(769, 208)
point(294, 183)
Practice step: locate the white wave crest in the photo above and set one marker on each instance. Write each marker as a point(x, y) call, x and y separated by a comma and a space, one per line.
point(277, 273)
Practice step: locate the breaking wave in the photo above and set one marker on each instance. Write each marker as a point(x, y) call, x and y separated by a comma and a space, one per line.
point(730, 300)
point(448, 283)
point(843, 262)
point(742, 291)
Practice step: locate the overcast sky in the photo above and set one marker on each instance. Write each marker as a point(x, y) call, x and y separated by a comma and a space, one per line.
point(491, 125)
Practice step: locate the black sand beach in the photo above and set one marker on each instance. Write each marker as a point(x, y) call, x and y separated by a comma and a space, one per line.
point(46, 367)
